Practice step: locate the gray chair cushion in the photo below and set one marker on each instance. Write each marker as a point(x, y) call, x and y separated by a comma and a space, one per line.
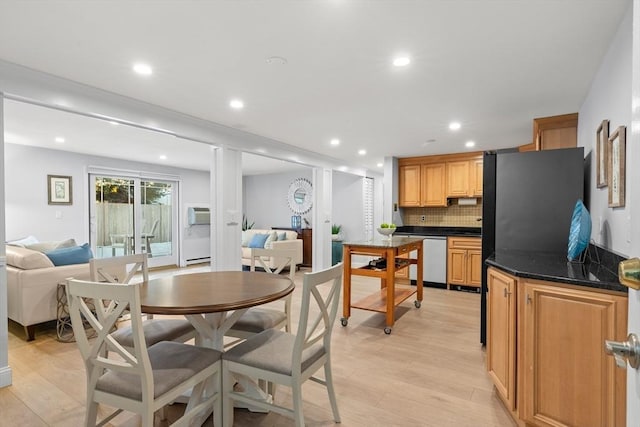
point(155, 330)
point(172, 363)
point(272, 350)
point(256, 320)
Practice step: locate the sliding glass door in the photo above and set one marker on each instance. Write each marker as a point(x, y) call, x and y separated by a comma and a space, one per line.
point(134, 214)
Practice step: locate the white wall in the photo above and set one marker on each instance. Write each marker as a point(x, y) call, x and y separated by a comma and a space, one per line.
point(26, 208)
point(347, 205)
point(609, 98)
point(265, 201)
point(265, 198)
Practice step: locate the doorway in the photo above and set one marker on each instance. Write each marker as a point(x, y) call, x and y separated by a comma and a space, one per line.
point(132, 214)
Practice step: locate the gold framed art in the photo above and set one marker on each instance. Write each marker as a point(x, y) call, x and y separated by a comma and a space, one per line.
point(602, 158)
point(59, 190)
point(616, 152)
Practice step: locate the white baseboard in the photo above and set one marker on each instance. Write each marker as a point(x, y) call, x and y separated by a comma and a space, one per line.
point(5, 376)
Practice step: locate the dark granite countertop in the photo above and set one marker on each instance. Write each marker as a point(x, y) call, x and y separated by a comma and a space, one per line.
point(439, 231)
point(555, 267)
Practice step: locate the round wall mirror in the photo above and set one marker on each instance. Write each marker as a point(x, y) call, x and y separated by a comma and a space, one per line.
point(299, 196)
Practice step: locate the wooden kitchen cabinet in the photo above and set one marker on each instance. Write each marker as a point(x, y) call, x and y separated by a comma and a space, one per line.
point(433, 192)
point(458, 179)
point(566, 377)
point(545, 351)
point(409, 185)
point(501, 334)
point(464, 261)
point(422, 185)
point(550, 133)
point(464, 178)
point(477, 171)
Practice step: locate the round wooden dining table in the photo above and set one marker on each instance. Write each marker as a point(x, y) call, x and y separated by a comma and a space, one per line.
point(212, 301)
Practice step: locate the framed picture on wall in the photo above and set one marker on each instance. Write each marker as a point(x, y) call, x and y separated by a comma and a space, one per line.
point(616, 148)
point(602, 158)
point(59, 190)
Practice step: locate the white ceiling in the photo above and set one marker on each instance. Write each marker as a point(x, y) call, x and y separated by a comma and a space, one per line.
point(493, 65)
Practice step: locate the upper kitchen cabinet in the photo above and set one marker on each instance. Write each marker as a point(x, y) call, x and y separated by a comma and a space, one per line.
point(550, 133)
point(433, 181)
point(428, 181)
point(422, 185)
point(477, 171)
point(409, 181)
point(464, 178)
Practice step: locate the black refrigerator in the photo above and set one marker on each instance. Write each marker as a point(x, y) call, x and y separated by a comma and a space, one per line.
point(527, 204)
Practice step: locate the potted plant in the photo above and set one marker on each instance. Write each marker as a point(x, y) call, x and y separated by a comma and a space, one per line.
point(336, 232)
point(245, 223)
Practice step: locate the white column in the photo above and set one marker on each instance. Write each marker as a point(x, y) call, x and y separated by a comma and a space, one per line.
point(5, 370)
point(226, 206)
point(322, 184)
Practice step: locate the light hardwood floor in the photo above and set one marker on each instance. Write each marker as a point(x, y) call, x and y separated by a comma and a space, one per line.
point(428, 372)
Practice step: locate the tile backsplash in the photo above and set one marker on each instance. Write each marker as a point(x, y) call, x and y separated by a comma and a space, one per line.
point(451, 216)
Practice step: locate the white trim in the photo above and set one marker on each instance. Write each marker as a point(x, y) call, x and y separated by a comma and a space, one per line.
point(109, 171)
point(5, 376)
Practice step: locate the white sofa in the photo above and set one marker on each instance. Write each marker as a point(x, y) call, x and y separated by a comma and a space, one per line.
point(32, 284)
point(273, 241)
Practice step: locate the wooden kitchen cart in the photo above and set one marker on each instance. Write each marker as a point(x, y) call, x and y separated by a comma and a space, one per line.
point(390, 294)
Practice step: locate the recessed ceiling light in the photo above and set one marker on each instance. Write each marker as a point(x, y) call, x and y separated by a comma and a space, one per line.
point(401, 61)
point(163, 157)
point(335, 141)
point(380, 164)
point(455, 125)
point(362, 152)
point(236, 104)
point(470, 144)
point(142, 69)
point(276, 60)
point(59, 139)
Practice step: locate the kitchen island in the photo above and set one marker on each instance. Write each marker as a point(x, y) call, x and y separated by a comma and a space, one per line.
point(390, 295)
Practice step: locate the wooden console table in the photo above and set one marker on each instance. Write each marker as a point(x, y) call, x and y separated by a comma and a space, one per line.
point(390, 295)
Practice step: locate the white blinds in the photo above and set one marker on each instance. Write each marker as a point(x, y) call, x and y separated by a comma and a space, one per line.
point(367, 201)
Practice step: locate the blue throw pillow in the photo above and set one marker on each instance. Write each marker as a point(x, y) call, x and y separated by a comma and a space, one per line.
point(257, 241)
point(282, 236)
point(67, 256)
point(580, 231)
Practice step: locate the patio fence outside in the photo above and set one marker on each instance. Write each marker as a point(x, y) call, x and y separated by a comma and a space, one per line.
point(117, 219)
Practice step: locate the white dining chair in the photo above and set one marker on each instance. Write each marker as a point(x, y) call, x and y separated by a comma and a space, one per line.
point(258, 319)
point(142, 379)
point(123, 269)
point(282, 358)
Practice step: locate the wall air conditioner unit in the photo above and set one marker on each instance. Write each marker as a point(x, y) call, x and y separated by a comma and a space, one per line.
point(198, 216)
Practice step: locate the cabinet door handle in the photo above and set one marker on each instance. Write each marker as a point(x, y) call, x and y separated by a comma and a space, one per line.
point(506, 293)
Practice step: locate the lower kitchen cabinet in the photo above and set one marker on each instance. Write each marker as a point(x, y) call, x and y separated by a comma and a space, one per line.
point(501, 334)
point(567, 379)
point(464, 261)
point(552, 370)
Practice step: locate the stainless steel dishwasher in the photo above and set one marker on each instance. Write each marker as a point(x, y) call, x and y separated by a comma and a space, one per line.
point(434, 260)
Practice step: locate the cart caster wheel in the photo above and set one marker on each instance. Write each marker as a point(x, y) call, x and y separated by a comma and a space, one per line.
point(387, 330)
point(344, 321)
point(417, 303)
